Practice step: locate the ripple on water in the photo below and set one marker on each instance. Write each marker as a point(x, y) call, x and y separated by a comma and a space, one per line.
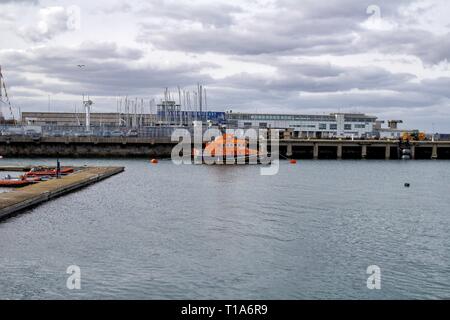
point(176, 232)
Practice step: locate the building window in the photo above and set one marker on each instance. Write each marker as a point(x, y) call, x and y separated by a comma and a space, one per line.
point(348, 126)
point(333, 126)
point(247, 124)
point(322, 126)
point(360, 126)
point(263, 125)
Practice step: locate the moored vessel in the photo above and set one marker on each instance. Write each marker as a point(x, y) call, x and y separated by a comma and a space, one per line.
point(227, 149)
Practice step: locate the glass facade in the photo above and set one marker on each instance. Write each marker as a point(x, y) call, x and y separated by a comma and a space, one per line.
point(279, 117)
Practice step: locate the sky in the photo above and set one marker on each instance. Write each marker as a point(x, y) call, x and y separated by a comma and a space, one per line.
point(385, 58)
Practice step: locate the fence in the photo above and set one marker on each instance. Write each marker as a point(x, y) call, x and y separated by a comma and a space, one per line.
point(96, 131)
point(79, 131)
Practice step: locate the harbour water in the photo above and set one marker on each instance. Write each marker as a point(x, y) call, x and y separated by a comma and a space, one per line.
point(198, 232)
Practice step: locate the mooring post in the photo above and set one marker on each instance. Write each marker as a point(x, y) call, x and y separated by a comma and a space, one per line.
point(387, 153)
point(316, 151)
point(413, 152)
point(339, 151)
point(364, 151)
point(434, 154)
point(289, 150)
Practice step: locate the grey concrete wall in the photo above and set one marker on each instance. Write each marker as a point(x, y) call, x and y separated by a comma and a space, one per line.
point(162, 148)
point(84, 150)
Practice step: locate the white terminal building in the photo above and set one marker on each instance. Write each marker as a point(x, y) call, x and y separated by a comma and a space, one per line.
point(308, 126)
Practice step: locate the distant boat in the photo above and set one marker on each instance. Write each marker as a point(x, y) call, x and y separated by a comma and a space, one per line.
point(44, 171)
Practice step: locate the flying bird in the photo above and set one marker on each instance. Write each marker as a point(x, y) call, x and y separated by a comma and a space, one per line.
point(80, 65)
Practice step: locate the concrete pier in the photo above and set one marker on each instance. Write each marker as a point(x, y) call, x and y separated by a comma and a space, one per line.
point(310, 148)
point(363, 149)
point(24, 198)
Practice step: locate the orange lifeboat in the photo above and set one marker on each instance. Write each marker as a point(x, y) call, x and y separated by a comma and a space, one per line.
point(228, 146)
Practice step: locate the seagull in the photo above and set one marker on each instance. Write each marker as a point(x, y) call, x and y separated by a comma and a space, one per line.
point(80, 65)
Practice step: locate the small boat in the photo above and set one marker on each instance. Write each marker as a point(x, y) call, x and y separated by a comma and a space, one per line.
point(225, 148)
point(14, 183)
point(44, 171)
point(22, 181)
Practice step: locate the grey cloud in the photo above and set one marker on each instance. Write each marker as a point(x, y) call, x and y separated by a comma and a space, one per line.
point(429, 47)
point(254, 100)
point(210, 13)
point(52, 21)
point(321, 78)
point(19, 1)
point(108, 71)
point(304, 28)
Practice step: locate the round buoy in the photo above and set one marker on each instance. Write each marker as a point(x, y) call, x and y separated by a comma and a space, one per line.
point(407, 185)
point(292, 161)
point(1, 157)
point(154, 161)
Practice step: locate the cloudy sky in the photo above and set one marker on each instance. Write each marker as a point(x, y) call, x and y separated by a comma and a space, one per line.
point(386, 58)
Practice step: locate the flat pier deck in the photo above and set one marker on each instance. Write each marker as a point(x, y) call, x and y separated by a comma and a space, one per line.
point(23, 198)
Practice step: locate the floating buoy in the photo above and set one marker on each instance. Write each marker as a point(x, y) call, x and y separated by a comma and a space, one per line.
point(407, 185)
point(154, 161)
point(1, 157)
point(292, 161)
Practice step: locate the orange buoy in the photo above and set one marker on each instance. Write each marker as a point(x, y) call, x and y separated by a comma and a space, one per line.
point(292, 161)
point(154, 161)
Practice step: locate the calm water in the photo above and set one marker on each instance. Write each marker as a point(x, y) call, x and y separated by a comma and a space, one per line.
point(165, 231)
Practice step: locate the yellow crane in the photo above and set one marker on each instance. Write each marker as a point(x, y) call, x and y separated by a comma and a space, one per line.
point(414, 135)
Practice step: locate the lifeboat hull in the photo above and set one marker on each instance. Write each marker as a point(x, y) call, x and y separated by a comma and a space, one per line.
point(10, 183)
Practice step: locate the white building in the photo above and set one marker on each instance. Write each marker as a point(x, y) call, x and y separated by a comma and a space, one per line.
point(317, 126)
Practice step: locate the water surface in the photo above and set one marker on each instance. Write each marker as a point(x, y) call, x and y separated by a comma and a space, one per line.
point(199, 232)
